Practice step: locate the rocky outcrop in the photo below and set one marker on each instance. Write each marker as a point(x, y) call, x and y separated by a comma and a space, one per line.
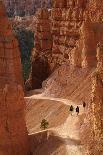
point(97, 105)
point(41, 54)
point(94, 118)
point(24, 7)
point(13, 132)
point(67, 17)
point(43, 37)
point(68, 35)
point(100, 59)
point(10, 64)
point(95, 10)
point(40, 71)
point(89, 44)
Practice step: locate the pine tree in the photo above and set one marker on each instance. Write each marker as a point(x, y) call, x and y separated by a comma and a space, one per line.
point(44, 124)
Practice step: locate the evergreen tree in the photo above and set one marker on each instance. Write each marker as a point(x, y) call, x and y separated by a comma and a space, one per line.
point(44, 124)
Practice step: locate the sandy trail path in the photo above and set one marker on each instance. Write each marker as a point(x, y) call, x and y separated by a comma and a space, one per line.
point(69, 131)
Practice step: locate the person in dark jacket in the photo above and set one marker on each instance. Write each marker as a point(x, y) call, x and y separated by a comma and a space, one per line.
point(84, 104)
point(77, 110)
point(71, 109)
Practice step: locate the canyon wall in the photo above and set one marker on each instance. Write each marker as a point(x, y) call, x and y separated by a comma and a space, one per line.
point(67, 17)
point(97, 98)
point(93, 125)
point(13, 132)
point(10, 63)
point(65, 35)
point(41, 54)
point(88, 44)
point(95, 10)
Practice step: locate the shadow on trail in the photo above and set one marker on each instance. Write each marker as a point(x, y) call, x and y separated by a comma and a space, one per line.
point(70, 141)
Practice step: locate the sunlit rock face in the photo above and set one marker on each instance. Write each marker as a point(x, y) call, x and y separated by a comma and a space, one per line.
point(67, 18)
point(89, 44)
point(13, 132)
point(96, 115)
point(24, 7)
point(95, 9)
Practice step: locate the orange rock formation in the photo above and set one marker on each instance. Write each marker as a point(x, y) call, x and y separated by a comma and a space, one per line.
point(41, 55)
point(67, 17)
point(43, 37)
point(97, 99)
point(13, 133)
point(89, 44)
point(10, 64)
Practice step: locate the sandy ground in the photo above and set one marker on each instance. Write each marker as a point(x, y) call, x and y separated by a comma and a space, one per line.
point(68, 131)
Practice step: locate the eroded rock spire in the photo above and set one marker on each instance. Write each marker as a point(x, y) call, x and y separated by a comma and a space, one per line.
point(13, 132)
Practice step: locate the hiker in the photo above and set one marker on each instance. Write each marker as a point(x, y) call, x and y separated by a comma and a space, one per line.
point(77, 110)
point(84, 104)
point(71, 109)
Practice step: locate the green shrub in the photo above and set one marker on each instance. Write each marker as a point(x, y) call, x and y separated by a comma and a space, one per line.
point(26, 43)
point(44, 124)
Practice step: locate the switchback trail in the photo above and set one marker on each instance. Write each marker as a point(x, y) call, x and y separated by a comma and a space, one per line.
point(69, 131)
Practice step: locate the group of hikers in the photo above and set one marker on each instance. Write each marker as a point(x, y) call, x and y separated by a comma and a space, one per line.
point(77, 108)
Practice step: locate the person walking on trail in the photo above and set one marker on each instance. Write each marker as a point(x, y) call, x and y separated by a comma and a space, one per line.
point(84, 104)
point(71, 109)
point(77, 110)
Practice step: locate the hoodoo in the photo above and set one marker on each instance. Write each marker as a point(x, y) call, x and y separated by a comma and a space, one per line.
point(89, 44)
point(13, 132)
point(10, 64)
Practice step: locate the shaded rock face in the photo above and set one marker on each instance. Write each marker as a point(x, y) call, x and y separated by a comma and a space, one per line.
point(24, 7)
point(10, 64)
point(13, 132)
point(45, 139)
point(40, 72)
point(41, 54)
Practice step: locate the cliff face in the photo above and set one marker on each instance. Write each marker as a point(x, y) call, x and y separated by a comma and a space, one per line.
point(24, 7)
point(98, 94)
point(95, 117)
point(67, 17)
point(41, 54)
point(93, 125)
point(9, 52)
point(95, 10)
point(13, 133)
point(43, 36)
point(66, 34)
point(88, 44)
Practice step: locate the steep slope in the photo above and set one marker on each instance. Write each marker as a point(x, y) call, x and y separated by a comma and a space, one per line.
point(54, 111)
point(42, 144)
point(68, 82)
point(64, 128)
